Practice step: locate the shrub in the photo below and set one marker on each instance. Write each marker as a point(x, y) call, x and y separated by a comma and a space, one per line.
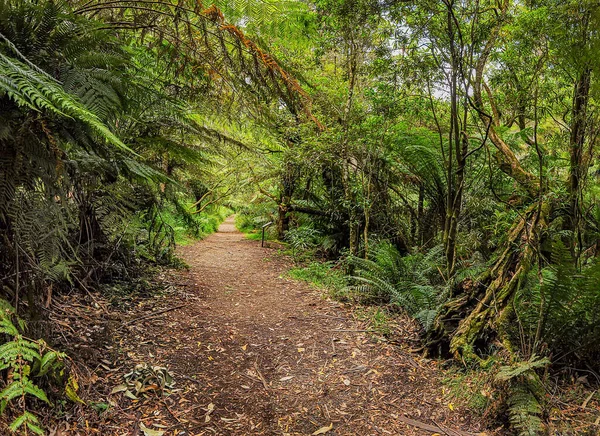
point(251, 217)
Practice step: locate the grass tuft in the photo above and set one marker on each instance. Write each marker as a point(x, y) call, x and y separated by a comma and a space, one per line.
point(322, 275)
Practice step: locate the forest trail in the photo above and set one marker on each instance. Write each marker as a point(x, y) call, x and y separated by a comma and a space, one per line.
point(256, 353)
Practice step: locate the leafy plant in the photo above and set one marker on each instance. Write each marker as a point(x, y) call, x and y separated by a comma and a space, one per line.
point(411, 282)
point(557, 309)
point(525, 394)
point(23, 359)
point(321, 274)
point(302, 241)
point(251, 217)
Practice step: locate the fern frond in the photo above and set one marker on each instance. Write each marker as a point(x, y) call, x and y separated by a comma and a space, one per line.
point(407, 281)
point(29, 88)
point(30, 420)
point(509, 372)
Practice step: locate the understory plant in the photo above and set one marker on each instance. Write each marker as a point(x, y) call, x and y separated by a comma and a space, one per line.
point(524, 391)
point(24, 362)
point(557, 311)
point(412, 282)
point(251, 217)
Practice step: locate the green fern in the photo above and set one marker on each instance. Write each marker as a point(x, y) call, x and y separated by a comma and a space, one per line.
point(507, 373)
point(36, 91)
point(524, 411)
point(29, 420)
point(525, 393)
point(411, 282)
point(560, 310)
point(25, 359)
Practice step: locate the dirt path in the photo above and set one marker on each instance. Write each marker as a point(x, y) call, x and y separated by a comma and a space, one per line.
point(256, 353)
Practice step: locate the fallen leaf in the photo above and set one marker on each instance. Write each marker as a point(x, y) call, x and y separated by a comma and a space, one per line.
point(117, 389)
point(128, 394)
point(289, 377)
point(323, 430)
point(209, 410)
point(72, 388)
point(149, 432)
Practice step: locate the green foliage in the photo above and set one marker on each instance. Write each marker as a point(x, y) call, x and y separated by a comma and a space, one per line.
point(188, 227)
point(24, 359)
point(558, 309)
point(507, 373)
point(525, 394)
point(115, 144)
point(252, 217)
point(306, 242)
point(302, 238)
point(469, 142)
point(470, 387)
point(412, 282)
point(324, 275)
point(30, 87)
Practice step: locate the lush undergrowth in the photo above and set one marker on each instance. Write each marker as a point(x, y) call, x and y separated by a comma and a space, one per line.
point(324, 275)
point(186, 231)
point(250, 219)
point(436, 158)
point(385, 282)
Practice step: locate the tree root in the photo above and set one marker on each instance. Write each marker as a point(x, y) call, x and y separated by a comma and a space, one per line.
point(482, 309)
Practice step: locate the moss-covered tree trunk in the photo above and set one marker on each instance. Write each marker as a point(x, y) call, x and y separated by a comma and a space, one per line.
point(482, 309)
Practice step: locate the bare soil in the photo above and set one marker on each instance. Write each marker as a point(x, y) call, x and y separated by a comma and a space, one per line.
point(253, 352)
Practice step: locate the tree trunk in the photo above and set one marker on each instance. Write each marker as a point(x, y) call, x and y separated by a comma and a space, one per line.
point(283, 221)
point(483, 307)
point(420, 215)
point(578, 165)
point(354, 230)
point(457, 150)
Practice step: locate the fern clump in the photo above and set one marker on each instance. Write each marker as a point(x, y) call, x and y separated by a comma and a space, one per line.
point(22, 360)
point(525, 393)
point(412, 282)
point(557, 310)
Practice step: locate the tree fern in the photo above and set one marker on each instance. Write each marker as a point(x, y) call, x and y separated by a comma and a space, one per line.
point(36, 91)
